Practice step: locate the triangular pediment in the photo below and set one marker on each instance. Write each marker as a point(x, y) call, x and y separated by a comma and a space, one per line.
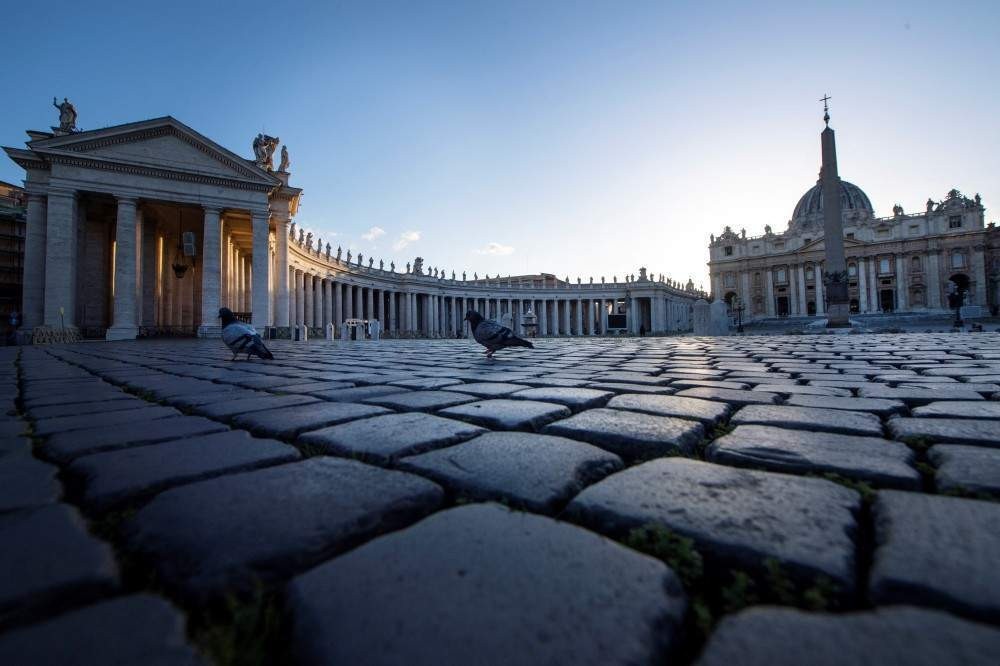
point(162, 143)
point(819, 245)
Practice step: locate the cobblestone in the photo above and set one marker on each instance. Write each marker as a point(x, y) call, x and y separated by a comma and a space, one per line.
point(383, 445)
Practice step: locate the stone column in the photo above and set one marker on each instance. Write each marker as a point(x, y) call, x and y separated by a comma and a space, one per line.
point(369, 303)
point(902, 300)
point(300, 298)
point(281, 261)
point(33, 292)
point(319, 304)
point(261, 265)
point(862, 286)
point(307, 288)
point(543, 317)
point(60, 259)
point(348, 301)
point(211, 274)
point(978, 266)
point(338, 306)
point(566, 318)
point(934, 300)
point(123, 325)
point(803, 305)
point(818, 277)
point(380, 308)
point(328, 312)
point(149, 269)
point(602, 316)
point(392, 313)
point(769, 292)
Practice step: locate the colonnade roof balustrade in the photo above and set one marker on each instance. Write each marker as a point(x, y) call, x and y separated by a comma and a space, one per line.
point(318, 264)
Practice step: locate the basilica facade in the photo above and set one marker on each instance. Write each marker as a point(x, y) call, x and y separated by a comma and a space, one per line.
point(904, 263)
point(148, 228)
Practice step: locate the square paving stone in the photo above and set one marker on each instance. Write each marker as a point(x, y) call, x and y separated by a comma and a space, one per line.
point(486, 389)
point(706, 411)
point(96, 419)
point(358, 393)
point(312, 387)
point(382, 439)
point(693, 383)
point(959, 431)
point(872, 459)
point(270, 523)
point(483, 585)
point(116, 476)
point(502, 414)
point(427, 383)
point(937, 551)
point(49, 561)
point(810, 418)
point(969, 469)
point(27, 482)
point(770, 636)
point(621, 387)
point(877, 406)
point(139, 629)
point(917, 396)
point(99, 406)
point(960, 409)
point(228, 408)
point(631, 435)
point(537, 472)
point(286, 422)
point(730, 396)
point(420, 401)
point(736, 517)
point(63, 447)
point(797, 389)
point(574, 398)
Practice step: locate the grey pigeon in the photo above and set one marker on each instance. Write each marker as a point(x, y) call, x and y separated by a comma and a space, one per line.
point(492, 335)
point(241, 338)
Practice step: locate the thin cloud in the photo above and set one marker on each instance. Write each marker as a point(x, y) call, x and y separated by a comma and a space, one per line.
point(405, 239)
point(495, 249)
point(373, 233)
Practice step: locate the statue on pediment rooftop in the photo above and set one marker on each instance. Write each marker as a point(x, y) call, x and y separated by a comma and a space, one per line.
point(930, 204)
point(897, 210)
point(283, 166)
point(475, 276)
point(381, 264)
point(263, 150)
point(418, 265)
point(978, 199)
point(291, 231)
point(339, 250)
point(602, 279)
point(348, 255)
point(767, 229)
point(711, 238)
point(407, 267)
point(463, 276)
point(392, 266)
point(614, 279)
point(371, 262)
point(953, 193)
point(743, 234)
point(642, 274)
point(327, 250)
point(360, 258)
point(319, 245)
point(309, 241)
point(453, 276)
point(67, 115)
point(302, 236)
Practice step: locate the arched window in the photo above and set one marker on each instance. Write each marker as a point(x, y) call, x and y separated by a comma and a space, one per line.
point(852, 270)
point(915, 265)
point(958, 260)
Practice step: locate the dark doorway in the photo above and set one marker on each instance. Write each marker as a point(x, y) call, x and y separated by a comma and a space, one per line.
point(811, 308)
point(782, 306)
point(854, 306)
point(887, 300)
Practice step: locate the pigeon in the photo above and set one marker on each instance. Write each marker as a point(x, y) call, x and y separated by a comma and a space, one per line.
point(492, 335)
point(241, 338)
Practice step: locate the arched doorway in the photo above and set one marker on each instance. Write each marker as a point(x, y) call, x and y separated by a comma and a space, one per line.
point(854, 306)
point(958, 287)
point(811, 308)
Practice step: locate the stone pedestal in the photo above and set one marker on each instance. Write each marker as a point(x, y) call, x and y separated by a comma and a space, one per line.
point(702, 318)
point(719, 316)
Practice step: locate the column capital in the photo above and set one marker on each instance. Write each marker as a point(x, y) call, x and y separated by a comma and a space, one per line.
point(126, 200)
point(215, 210)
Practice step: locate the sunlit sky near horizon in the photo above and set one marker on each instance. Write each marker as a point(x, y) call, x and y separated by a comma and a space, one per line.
point(576, 138)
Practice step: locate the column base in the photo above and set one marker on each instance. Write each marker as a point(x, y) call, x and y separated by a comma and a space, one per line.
point(209, 331)
point(121, 333)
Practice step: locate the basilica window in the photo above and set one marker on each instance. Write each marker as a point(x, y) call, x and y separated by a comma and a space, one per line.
point(730, 279)
point(884, 266)
point(852, 270)
point(779, 246)
point(955, 222)
point(780, 275)
point(914, 229)
point(958, 260)
point(756, 279)
point(915, 265)
point(809, 273)
point(729, 250)
point(851, 235)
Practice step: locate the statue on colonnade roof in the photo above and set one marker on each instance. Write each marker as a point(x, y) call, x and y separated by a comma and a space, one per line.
point(67, 115)
point(283, 166)
point(263, 150)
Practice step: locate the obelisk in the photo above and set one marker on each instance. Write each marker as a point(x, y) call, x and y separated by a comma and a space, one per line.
point(835, 269)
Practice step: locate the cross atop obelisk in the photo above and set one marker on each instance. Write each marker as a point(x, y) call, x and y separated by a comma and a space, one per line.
point(835, 268)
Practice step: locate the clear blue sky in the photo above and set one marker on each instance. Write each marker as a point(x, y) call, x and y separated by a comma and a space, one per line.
point(580, 138)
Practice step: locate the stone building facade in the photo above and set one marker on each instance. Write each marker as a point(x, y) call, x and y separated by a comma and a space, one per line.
point(13, 204)
point(905, 263)
point(150, 227)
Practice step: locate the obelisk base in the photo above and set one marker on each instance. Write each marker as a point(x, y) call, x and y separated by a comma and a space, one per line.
point(838, 315)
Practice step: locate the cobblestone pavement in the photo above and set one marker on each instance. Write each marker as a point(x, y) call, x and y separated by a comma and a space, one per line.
point(772, 500)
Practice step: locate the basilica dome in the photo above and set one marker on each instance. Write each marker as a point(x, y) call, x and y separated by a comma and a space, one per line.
point(852, 198)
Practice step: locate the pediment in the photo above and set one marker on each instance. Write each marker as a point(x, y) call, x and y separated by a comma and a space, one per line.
point(820, 246)
point(160, 144)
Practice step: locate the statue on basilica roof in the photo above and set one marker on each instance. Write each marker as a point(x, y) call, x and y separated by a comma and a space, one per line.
point(978, 199)
point(263, 150)
point(370, 262)
point(302, 236)
point(67, 115)
point(338, 252)
point(283, 166)
point(930, 204)
point(897, 210)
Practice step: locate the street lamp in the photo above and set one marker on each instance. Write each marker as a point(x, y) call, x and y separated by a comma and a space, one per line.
point(738, 308)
